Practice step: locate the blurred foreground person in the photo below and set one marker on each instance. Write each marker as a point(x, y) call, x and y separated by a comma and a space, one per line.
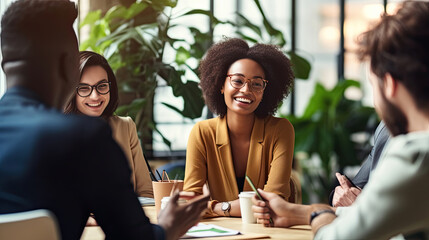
point(69, 165)
point(395, 199)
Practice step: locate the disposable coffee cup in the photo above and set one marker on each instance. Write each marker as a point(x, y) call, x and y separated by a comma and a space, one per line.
point(166, 200)
point(246, 207)
point(163, 189)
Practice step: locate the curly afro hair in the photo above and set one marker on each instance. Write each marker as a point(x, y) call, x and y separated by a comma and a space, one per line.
point(214, 67)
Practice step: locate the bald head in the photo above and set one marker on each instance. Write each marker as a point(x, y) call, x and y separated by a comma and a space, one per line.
point(39, 47)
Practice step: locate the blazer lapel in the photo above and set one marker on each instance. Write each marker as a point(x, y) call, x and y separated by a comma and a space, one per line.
point(225, 157)
point(254, 161)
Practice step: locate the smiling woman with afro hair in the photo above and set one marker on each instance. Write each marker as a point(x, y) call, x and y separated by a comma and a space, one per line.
point(214, 67)
point(243, 85)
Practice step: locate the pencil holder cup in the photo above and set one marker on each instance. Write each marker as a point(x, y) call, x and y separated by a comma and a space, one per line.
point(162, 189)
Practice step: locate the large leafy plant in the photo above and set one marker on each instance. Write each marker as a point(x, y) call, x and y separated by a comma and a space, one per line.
point(324, 132)
point(134, 40)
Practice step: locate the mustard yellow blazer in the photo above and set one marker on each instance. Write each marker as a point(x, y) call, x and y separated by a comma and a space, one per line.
point(125, 134)
point(209, 158)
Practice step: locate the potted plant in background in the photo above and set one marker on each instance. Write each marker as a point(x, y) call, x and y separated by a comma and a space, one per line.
point(323, 137)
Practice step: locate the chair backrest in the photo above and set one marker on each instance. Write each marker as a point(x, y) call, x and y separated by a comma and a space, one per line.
point(174, 169)
point(35, 225)
point(295, 188)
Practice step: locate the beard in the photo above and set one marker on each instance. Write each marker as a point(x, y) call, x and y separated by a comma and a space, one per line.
point(394, 118)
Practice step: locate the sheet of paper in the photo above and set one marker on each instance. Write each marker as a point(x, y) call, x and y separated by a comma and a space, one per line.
point(208, 230)
point(145, 201)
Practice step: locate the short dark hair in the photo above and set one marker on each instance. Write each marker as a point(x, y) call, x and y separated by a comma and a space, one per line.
point(214, 67)
point(88, 59)
point(27, 23)
point(399, 45)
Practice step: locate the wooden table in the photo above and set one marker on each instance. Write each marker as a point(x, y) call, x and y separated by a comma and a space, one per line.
point(252, 231)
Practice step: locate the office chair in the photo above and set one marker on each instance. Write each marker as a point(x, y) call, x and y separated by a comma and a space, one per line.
point(35, 225)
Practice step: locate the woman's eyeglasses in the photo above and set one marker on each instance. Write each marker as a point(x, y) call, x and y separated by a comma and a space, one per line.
point(238, 81)
point(84, 90)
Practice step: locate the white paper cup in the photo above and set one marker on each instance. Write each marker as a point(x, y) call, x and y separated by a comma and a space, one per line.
point(165, 200)
point(246, 207)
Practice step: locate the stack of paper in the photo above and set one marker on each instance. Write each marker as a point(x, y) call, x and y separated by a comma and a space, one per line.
point(145, 201)
point(208, 230)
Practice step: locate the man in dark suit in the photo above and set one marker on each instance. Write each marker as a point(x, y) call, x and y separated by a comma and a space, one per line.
point(345, 194)
point(67, 164)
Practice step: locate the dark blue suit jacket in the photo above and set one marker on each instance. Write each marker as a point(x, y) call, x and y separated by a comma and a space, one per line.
point(381, 136)
point(68, 164)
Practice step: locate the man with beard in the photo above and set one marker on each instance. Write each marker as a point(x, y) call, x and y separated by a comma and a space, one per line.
point(395, 199)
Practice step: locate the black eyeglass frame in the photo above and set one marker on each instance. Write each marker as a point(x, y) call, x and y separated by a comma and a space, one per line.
point(92, 88)
point(247, 80)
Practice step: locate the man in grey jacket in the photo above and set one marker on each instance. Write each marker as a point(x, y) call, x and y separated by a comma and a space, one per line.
point(395, 199)
point(70, 164)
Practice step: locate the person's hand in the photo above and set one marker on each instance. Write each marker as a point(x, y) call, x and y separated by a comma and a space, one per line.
point(188, 195)
point(345, 194)
point(177, 219)
point(191, 195)
point(282, 213)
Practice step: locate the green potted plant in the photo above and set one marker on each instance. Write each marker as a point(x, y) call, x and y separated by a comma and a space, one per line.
point(325, 132)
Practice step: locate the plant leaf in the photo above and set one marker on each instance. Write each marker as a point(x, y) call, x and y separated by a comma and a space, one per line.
point(277, 36)
point(242, 21)
point(300, 66)
point(91, 18)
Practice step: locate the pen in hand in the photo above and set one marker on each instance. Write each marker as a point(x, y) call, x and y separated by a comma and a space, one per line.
point(257, 193)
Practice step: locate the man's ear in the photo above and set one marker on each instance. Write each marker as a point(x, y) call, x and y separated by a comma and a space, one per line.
point(390, 86)
point(68, 68)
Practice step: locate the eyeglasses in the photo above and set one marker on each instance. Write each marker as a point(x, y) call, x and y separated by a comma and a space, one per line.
point(84, 90)
point(238, 81)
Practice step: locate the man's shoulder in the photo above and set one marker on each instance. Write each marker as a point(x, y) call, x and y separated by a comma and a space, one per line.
point(70, 122)
point(57, 125)
point(409, 143)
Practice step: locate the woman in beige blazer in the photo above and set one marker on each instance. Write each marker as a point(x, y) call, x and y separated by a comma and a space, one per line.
point(97, 96)
point(244, 87)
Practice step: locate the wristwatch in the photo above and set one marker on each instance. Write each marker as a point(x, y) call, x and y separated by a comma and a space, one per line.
point(320, 212)
point(225, 207)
